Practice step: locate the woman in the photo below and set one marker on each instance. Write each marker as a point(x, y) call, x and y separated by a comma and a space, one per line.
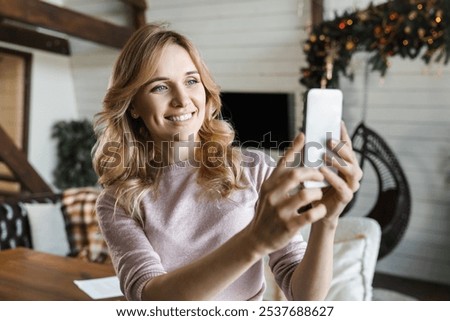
point(186, 216)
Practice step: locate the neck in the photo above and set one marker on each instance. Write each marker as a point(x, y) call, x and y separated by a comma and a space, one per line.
point(176, 151)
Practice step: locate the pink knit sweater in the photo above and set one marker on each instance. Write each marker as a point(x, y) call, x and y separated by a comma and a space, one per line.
point(181, 226)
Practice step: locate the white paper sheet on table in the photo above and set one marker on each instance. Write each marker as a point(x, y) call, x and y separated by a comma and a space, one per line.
point(100, 288)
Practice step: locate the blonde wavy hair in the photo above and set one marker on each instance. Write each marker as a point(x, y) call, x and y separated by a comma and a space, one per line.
point(123, 154)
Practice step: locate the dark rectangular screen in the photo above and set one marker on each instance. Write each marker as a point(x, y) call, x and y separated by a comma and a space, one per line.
point(263, 120)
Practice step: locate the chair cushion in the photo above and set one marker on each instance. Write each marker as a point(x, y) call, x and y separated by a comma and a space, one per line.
point(348, 282)
point(14, 224)
point(48, 229)
point(356, 246)
point(79, 206)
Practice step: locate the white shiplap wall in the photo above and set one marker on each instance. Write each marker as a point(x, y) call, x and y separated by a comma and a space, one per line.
point(92, 63)
point(410, 109)
point(249, 45)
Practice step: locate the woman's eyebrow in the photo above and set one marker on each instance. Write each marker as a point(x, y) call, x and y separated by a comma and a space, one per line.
point(155, 80)
point(193, 72)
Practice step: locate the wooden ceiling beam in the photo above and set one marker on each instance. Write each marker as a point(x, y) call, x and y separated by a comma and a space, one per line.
point(139, 7)
point(17, 162)
point(45, 15)
point(141, 4)
point(316, 12)
point(139, 18)
point(33, 39)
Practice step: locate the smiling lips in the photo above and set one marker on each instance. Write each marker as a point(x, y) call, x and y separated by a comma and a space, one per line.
point(180, 118)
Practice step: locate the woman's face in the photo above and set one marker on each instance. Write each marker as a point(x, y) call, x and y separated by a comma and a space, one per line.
point(172, 103)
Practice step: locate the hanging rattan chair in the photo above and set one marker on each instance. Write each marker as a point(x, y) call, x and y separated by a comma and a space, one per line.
point(393, 205)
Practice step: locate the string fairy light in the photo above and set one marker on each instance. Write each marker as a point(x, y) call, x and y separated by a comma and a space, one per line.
point(398, 27)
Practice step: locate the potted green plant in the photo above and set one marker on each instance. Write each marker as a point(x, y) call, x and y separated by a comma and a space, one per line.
point(75, 140)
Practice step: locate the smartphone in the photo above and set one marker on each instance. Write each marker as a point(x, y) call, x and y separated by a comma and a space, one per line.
point(321, 122)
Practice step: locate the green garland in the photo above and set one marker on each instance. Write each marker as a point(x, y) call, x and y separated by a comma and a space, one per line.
point(399, 27)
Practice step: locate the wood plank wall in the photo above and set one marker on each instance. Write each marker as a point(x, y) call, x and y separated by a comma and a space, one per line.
point(409, 108)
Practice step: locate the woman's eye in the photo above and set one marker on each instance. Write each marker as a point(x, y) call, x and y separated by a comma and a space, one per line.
point(192, 82)
point(159, 88)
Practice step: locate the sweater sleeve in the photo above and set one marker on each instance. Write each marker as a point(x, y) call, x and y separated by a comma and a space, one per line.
point(284, 261)
point(133, 257)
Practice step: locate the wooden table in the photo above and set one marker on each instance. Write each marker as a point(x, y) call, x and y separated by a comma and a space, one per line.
point(26, 274)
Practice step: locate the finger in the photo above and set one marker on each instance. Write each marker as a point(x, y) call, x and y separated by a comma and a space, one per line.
point(351, 172)
point(344, 134)
point(282, 161)
point(340, 185)
point(310, 216)
point(290, 180)
point(292, 152)
point(343, 147)
point(343, 150)
point(342, 165)
point(300, 199)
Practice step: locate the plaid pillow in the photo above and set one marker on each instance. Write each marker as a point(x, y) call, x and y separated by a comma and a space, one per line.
point(88, 242)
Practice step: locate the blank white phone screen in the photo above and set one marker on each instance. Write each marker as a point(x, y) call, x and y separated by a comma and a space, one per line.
point(322, 122)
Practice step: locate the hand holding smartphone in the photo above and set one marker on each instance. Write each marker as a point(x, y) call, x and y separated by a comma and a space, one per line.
point(321, 122)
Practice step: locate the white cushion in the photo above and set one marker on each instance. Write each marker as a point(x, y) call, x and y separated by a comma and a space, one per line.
point(47, 227)
point(357, 242)
point(356, 246)
point(348, 282)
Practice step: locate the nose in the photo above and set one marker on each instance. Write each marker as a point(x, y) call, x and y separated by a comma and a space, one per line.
point(180, 97)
